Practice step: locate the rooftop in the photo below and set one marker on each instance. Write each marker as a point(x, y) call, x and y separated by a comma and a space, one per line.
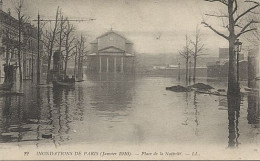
point(107, 33)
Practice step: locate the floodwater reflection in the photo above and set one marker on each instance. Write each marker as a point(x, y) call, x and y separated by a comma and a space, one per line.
point(233, 120)
point(113, 108)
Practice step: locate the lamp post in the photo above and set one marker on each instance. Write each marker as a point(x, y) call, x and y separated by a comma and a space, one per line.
point(238, 46)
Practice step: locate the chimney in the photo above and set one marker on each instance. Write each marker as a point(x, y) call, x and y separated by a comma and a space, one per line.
point(1, 5)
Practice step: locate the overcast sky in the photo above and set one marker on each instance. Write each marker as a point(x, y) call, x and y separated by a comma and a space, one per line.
point(154, 26)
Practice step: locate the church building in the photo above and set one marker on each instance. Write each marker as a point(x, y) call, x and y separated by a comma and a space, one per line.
point(111, 53)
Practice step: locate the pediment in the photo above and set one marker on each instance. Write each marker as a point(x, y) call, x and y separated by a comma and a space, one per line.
point(111, 49)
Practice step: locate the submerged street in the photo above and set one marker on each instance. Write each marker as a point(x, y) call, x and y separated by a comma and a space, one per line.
point(132, 110)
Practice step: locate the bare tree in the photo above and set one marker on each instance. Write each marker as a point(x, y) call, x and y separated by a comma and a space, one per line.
point(49, 42)
point(22, 19)
point(234, 24)
point(79, 57)
point(198, 47)
point(185, 53)
point(60, 39)
point(69, 44)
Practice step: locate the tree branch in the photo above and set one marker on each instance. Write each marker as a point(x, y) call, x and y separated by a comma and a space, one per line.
point(247, 11)
point(245, 27)
point(221, 1)
point(245, 32)
point(235, 9)
point(215, 15)
point(217, 32)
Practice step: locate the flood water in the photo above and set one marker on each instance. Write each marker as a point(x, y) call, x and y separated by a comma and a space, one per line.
point(131, 110)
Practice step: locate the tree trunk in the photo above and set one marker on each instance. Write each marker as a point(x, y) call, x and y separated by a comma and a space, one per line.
point(48, 69)
point(80, 66)
point(75, 68)
point(187, 70)
point(233, 87)
point(194, 70)
point(19, 50)
point(67, 55)
point(49, 64)
point(66, 64)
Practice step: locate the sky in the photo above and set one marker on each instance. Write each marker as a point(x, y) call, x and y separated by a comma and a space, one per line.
point(154, 26)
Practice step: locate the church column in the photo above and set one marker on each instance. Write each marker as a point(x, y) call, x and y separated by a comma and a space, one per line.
point(107, 65)
point(115, 64)
point(122, 64)
point(100, 64)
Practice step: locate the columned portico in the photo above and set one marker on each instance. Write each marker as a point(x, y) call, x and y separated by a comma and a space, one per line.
point(115, 64)
point(122, 64)
point(111, 53)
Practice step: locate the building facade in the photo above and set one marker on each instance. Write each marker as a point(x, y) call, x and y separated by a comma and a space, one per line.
point(219, 69)
point(224, 56)
point(111, 53)
point(9, 29)
point(254, 67)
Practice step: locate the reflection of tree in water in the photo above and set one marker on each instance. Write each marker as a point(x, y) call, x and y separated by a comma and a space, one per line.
point(196, 113)
point(233, 116)
point(19, 117)
point(6, 119)
point(186, 110)
point(79, 110)
point(12, 120)
point(60, 114)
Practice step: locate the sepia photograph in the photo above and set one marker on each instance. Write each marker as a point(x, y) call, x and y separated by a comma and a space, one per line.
point(129, 79)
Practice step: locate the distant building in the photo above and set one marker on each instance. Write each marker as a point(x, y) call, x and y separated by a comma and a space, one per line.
point(111, 52)
point(9, 45)
point(254, 67)
point(219, 69)
point(224, 55)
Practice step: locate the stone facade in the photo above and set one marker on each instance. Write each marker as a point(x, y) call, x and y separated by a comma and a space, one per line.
point(111, 53)
point(9, 27)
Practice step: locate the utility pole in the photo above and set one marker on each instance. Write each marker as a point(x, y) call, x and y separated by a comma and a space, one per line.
point(238, 68)
point(38, 54)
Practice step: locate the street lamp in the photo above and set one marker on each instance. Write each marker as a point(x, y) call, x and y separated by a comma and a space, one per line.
point(237, 48)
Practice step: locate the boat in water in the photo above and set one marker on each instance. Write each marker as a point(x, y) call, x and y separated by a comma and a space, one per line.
point(66, 82)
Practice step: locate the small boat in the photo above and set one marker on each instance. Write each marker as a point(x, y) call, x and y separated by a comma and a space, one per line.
point(60, 83)
point(47, 136)
point(64, 82)
point(80, 80)
point(257, 78)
